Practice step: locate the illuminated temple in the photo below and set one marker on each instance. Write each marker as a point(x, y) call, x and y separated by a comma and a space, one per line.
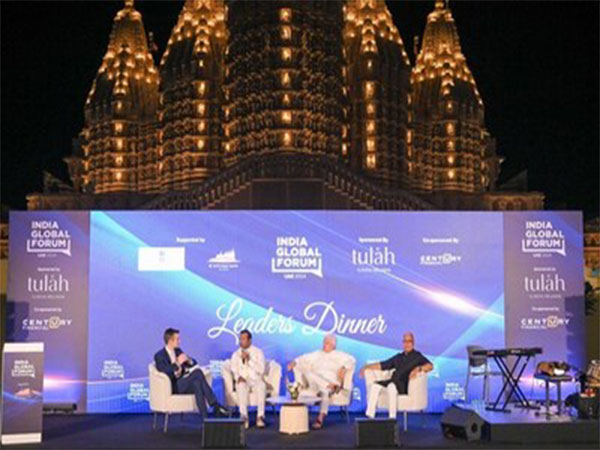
point(284, 104)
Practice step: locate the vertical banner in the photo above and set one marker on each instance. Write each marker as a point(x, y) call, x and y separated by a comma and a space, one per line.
point(544, 283)
point(48, 296)
point(22, 392)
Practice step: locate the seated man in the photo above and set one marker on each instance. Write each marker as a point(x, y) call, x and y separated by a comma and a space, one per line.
point(406, 365)
point(325, 371)
point(186, 376)
point(248, 367)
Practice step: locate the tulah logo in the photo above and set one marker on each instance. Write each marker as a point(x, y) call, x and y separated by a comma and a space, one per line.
point(48, 283)
point(374, 256)
point(546, 283)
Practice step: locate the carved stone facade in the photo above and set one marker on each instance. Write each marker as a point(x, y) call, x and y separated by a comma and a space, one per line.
point(283, 104)
point(191, 97)
point(378, 86)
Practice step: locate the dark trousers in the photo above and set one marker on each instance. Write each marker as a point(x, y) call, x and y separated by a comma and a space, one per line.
point(196, 384)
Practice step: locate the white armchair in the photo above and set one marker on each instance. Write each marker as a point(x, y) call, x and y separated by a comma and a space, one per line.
point(162, 399)
point(415, 400)
point(341, 399)
point(272, 379)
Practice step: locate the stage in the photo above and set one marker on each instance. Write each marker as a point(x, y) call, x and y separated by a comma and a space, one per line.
point(129, 431)
point(527, 426)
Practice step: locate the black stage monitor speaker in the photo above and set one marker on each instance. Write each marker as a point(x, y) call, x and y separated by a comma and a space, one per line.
point(224, 433)
point(377, 433)
point(462, 423)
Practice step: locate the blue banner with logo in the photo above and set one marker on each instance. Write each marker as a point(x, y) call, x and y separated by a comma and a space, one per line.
point(48, 295)
point(452, 278)
point(22, 393)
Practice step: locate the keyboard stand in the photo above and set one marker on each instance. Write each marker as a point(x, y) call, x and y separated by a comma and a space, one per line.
point(511, 382)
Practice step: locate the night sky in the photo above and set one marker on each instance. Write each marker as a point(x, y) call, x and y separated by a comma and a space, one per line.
point(535, 64)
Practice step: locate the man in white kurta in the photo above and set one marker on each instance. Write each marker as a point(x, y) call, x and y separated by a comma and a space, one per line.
point(248, 367)
point(324, 370)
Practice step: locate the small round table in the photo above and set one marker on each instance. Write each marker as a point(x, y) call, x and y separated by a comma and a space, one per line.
point(293, 414)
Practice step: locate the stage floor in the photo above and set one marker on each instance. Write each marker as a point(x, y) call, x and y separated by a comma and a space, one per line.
point(112, 431)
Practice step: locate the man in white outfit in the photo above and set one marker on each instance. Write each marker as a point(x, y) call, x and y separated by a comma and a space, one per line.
point(248, 367)
point(325, 371)
point(406, 366)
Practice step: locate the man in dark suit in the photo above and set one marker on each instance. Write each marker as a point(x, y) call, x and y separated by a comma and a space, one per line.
point(186, 376)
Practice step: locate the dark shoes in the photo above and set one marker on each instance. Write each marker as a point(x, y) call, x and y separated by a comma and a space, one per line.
point(221, 411)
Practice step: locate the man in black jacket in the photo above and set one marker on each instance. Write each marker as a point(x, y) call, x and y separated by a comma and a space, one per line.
point(406, 365)
point(185, 375)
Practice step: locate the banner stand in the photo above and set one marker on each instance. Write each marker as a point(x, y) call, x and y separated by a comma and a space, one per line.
point(22, 393)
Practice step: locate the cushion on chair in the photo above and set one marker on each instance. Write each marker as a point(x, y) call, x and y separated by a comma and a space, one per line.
point(414, 400)
point(161, 397)
point(272, 380)
point(342, 398)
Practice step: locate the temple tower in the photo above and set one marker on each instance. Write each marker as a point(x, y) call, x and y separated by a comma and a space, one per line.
point(378, 83)
point(191, 96)
point(115, 145)
point(449, 147)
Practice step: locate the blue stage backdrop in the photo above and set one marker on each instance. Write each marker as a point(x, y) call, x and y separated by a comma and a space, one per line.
point(290, 277)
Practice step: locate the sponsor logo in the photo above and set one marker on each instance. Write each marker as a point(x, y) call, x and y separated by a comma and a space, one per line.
point(161, 259)
point(48, 284)
point(443, 259)
point(295, 258)
point(138, 392)
point(541, 237)
point(224, 261)
point(375, 256)
point(22, 368)
point(47, 237)
point(544, 283)
point(544, 323)
point(51, 323)
point(453, 391)
point(111, 368)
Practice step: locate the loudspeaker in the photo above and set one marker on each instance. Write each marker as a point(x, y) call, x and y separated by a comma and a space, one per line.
point(223, 433)
point(376, 433)
point(462, 423)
